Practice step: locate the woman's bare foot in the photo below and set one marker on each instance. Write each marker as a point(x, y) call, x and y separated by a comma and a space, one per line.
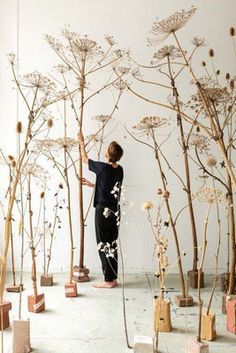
point(108, 285)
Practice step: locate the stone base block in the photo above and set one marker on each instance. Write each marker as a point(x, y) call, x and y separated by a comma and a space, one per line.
point(181, 301)
point(46, 281)
point(5, 307)
point(193, 279)
point(81, 274)
point(193, 346)
point(21, 336)
point(143, 344)
point(71, 290)
point(36, 303)
point(208, 330)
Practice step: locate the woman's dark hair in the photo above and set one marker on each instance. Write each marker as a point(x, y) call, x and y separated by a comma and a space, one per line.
point(115, 152)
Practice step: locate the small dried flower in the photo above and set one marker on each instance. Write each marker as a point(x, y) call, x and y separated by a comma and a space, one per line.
point(19, 127)
point(162, 29)
point(232, 31)
point(211, 161)
point(199, 42)
point(168, 51)
point(231, 84)
point(102, 118)
point(120, 85)
point(11, 58)
point(42, 195)
point(201, 142)
point(210, 195)
point(61, 186)
point(110, 40)
point(11, 158)
point(227, 76)
point(203, 63)
point(211, 53)
point(49, 123)
point(147, 205)
point(149, 123)
point(166, 194)
point(123, 70)
point(159, 191)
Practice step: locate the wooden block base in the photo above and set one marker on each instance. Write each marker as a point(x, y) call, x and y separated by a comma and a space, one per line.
point(225, 298)
point(46, 281)
point(81, 274)
point(193, 346)
point(14, 288)
point(71, 290)
point(5, 307)
point(193, 279)
point(143, 344)
point(231, 314)
point(21, 336)
point(36, 303)
point(162, 316)
point(181, 301)
point(208, 330)
point(224, 281)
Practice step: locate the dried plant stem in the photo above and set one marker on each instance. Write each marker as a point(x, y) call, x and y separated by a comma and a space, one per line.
point(181, 274)
point(187, 170)
point(216, 134)
point(31, 235)
point(204, 245)
point(232, 231)
point(44, 235)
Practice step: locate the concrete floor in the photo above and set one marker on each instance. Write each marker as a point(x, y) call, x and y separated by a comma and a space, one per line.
point(93, 322)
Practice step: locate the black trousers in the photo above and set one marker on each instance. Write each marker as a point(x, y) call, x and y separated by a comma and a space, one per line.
point(107, 235)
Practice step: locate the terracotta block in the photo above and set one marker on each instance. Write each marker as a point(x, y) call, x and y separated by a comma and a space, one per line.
point(71, 290)
point(36, 303)
point(46, 281)
point(162, 316)
point(81, 274)
point(143, 344)
point(225, 298)
point(208, 330)
point(224, 280)
point(5, 307)
point(181, 301)
point(193, 279)
point(14, 289)
point(193, 346)
point(231, 314)
point(21, 336)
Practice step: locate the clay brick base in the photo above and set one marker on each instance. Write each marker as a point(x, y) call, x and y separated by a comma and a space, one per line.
point(46, 281)
point(224, 280)
point(71, 290)
point(193, 279)
point(193, 346)
point(231, 314)
point(181, 301)
point(5, 307)
point(225, 298)
point(36, 303)
point(208, 331)
point(81, 274)
point(21, 336)
point(162, 316)
point(14, 289)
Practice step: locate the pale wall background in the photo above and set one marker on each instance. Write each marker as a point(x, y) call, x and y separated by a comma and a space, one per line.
point(129, 21)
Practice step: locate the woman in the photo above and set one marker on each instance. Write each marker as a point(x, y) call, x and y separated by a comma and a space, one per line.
point(106, 203)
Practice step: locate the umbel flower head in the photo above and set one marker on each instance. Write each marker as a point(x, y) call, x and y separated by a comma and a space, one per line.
point(201, 142)
point(162, 29)
point(149, 123)
point(210, 195)
point(168, 51)
point(102, 118)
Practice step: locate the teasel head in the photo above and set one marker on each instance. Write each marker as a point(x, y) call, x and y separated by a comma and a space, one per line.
point(166, 194)
point(19, 127)
point(211, 53)
point(203, 63)
point(217, 72)
point(227, 76)
point(42, 194)
point(49, 123)
point(232, 31)
point(231, 84)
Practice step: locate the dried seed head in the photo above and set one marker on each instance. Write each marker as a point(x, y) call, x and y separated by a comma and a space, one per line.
point(50, 123)
point(232, 31)
point(203, 63)
point(61, 186)
point(13, 164)
point(166, 194)
point(159, 191)
point(42, 195)
point(11, 158)
point(231, 84)
point(211, 53)
point(19, 127)
point(227, 76)
point(211, 161)
point(217, 72)
point(147, 205)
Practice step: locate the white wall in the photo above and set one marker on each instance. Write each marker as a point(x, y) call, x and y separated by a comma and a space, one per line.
point(129, 21)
